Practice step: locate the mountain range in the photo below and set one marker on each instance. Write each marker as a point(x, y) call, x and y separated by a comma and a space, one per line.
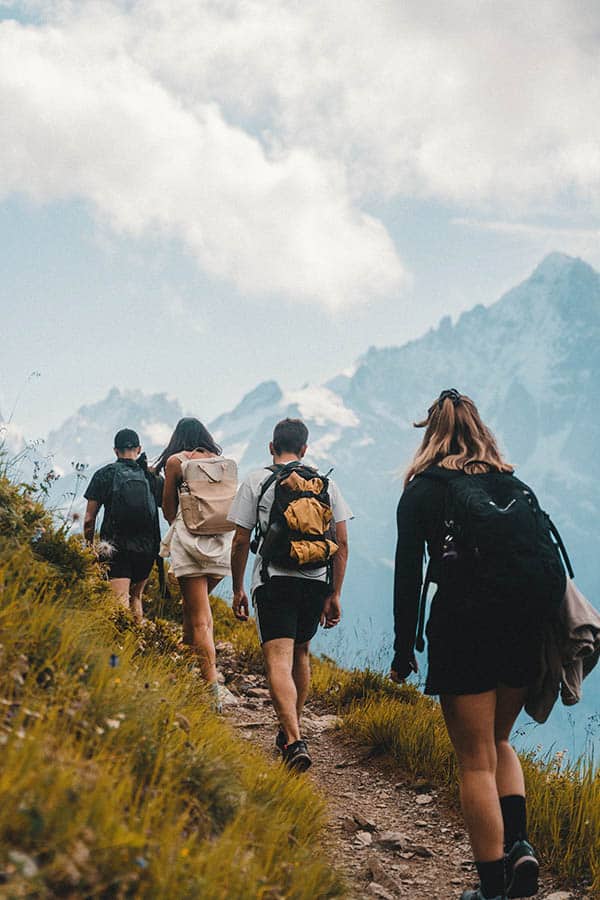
point(531, 361)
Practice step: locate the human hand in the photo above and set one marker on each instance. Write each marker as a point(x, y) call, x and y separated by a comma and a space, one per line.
point(240, 605)
point(399, 671)
point(332, 611)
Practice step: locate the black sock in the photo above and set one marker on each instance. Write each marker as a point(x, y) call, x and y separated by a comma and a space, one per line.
point(491, 878)
point(514, 814)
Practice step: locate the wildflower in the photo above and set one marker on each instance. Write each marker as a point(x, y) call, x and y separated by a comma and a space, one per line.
point(113, 723)
point(185, 851)
point(117, 680)
point(113, 661)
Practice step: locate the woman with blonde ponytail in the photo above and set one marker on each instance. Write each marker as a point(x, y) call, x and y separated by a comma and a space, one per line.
point(482, 656)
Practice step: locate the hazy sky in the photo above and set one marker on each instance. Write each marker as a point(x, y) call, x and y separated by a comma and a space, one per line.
point(197, 195)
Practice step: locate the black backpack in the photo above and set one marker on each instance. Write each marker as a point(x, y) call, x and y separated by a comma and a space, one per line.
point(498, 547)
point(285, 544)
point(133, 508)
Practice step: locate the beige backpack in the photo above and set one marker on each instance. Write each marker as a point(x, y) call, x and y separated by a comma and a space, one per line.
point(206, 494)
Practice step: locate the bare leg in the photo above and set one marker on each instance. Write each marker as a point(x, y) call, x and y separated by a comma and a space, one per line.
point(509, 775)
point(470, 721)
point(198, 624)
point(279, 661)
point(135, 600)
point(120, 588)
point(301, 675)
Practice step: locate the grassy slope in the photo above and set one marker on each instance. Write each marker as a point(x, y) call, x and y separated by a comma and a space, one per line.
point(115, 778)
point(119, 782)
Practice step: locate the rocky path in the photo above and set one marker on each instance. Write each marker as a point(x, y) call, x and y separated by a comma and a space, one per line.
point(391, 835)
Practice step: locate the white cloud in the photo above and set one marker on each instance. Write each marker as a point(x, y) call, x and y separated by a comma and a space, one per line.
point(473, 103)
point(82, 117)
point(158, 433)
point(260, 132)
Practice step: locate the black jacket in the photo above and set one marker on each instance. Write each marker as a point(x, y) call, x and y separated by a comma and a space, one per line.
point(420, 522)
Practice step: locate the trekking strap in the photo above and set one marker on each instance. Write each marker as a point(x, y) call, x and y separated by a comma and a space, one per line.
point(420, 640)
point(561, 547)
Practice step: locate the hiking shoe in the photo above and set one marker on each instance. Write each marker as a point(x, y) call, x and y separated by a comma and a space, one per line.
point(477, 895)
point(296, 756)
point(522, 870)
point(280, 742)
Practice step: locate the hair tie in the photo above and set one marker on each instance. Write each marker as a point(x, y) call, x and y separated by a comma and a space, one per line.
point(451, 394)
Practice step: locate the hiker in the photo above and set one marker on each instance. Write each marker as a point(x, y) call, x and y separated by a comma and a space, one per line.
point(199, 487)
point(300, 539)
point(130, 531)
point(499, 576)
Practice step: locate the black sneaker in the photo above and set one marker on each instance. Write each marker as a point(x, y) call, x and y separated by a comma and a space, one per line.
point(280, 742)
point(296, 756)
point(522, 870)
point(477, 895)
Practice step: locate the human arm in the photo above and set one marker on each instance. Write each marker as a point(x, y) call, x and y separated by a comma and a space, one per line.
point(158, 488)
point(332, 610)
point(239, 557)
point(408, 578)
point(170, 496)
point(89, 521)
point(96, 495)
point(243, 514)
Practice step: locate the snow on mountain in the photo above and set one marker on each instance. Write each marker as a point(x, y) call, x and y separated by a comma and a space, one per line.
point(322, 406)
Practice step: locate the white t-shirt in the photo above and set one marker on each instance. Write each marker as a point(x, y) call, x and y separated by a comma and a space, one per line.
point(244, 512)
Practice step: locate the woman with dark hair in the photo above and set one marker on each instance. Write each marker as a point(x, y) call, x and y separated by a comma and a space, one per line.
point(199, 561)
point(483, 648)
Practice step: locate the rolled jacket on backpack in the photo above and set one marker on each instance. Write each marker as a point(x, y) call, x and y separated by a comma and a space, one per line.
point(308, 516)
point(310, 552)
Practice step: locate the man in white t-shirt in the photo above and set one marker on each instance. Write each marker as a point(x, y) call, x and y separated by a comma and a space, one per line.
point(289, 603)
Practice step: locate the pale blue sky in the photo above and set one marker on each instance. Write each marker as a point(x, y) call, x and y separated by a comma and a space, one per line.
point(192, 201)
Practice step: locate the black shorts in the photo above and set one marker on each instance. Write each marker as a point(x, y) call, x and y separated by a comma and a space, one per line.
point(131, 564)
point(288, 607)
point(470, 653)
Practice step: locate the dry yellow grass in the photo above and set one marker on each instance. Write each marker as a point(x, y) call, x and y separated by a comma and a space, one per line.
point(116, 780)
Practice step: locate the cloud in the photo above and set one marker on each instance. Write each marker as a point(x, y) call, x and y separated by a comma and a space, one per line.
point(81, 117)
point(487, 104)
point(264, 133)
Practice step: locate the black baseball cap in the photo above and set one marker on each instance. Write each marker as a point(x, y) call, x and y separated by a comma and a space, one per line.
point(126, 439)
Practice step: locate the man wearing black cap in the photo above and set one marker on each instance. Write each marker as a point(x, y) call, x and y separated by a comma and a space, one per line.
point(130, 495)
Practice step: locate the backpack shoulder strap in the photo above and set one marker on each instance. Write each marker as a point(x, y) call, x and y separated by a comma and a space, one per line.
point(420, 640)
point(275, 469)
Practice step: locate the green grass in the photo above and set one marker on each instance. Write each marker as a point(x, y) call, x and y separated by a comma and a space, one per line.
point(116, 779)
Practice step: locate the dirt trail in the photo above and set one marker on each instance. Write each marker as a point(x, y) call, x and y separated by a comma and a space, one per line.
point(391, 835)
